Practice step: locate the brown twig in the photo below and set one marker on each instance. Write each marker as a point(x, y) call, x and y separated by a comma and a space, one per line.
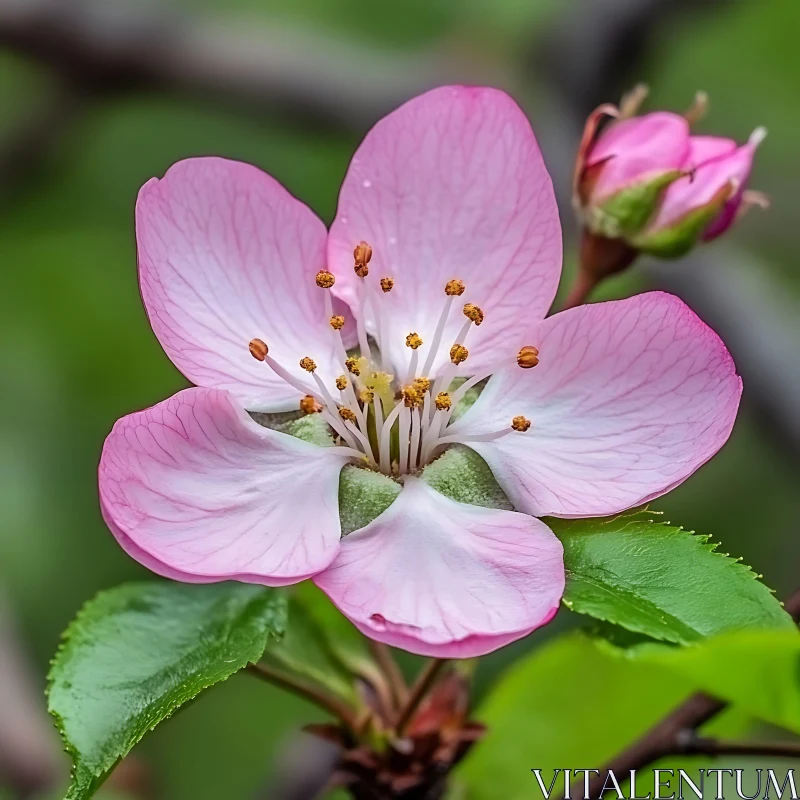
point(677, 731)
point(308, 691)
point(702, 746)
point(421, 687)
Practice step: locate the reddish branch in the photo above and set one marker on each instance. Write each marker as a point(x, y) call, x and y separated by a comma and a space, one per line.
point(676, 734)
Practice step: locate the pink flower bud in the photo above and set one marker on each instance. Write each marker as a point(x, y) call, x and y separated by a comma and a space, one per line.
point(705, 203)
point(638, 150)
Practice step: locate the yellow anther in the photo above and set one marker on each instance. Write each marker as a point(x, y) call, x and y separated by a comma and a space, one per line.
point(352, 366)
point(308, 364)
point(458, 353)
point(413, 341)
point(309, 405)
point(366, 396)
point(422, 384)
point(387, 284)
point(258, 349)
point(412, 397)
point(341, 382)
point(528, 357)
point(337, 322)
point(454, 288)
point(443, 401)
point(474, 313)
point(325, 279)
point(520, 424)
point(347, 415)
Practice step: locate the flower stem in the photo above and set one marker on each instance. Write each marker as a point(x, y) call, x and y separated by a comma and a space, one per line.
point(419, 690)
point(397, 685)
point(308, 691)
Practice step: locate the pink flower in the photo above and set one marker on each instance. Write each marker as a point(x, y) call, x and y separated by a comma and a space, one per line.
point(705, 202)
point(452, 196)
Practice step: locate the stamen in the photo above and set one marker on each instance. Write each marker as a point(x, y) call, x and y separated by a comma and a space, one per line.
point(366, 396)
point(362, 255)
point(416, 422)
point(384, 438)
point(528, 357)
point(308, 364)
point(521, 424)
point(341, 383)
point(412, 397)
point(422, 384)
point(387, 284)
point(413, 341)
point(454, 288)
point(458, 354)
point(443, 401)
point(309, 405)
point(347, 414)
point(258, 349)
point(337, 322)
point(340, 427)
point(474, 313)
point(325, 279)
point(352, 366)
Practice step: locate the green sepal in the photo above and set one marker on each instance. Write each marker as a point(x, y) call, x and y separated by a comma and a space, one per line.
point(680, 237)
point(311, 428)
point(462, 475)
point(625, 213)
point(363, 495)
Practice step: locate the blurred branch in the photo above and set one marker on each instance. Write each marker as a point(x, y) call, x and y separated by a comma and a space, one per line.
point(117, 47)
point(37, 136)
point(30, 758)
point(612, 38)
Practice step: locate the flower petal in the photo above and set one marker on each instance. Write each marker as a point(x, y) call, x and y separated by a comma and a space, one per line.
point(451, 185)
point(638, 150)
point(446, 579)
point(706, 148)
point(630, 397)
point(226, 254)
point(197, 491)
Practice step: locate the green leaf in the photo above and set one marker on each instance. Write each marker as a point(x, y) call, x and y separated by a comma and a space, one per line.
point(570, 704)
point(661, 581)
point(322, 645)
point(137, 653)
point(758, 671)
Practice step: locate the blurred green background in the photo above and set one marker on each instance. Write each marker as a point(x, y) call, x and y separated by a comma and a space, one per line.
point(77, 352)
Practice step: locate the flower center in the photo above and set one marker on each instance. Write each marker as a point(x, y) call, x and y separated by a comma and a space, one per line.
point(397, 424)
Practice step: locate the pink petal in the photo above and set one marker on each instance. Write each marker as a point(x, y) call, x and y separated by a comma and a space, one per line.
point(452, 185)
point(629, 398)
point(446, 579)
point(197, 491)
point(707, 148)
point(639, 149)
point(701, 187)
point(226, 254)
